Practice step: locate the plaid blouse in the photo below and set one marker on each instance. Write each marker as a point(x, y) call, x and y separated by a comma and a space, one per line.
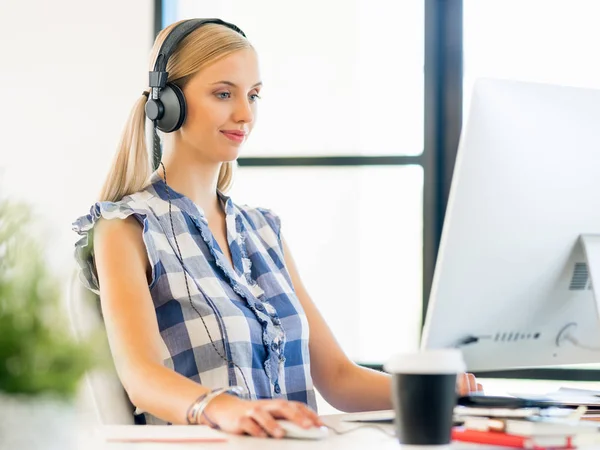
point(250, 309)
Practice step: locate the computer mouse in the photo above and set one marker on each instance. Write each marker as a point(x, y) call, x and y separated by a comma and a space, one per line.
point(295, 431)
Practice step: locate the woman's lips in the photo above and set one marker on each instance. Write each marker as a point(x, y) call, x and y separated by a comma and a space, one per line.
point(235, 136)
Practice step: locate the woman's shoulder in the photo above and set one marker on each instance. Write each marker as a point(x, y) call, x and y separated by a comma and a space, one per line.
point(134, 204)
point(131, 207)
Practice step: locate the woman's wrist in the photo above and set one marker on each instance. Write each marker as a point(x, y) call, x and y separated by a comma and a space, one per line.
point(191, 415)
point(213, 410)
point(196, 413)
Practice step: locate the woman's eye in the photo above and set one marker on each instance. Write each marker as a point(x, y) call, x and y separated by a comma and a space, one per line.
point(223, 95)
point(254, 97)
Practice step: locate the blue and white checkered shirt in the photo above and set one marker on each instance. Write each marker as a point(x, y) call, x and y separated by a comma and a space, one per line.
point(250, 309)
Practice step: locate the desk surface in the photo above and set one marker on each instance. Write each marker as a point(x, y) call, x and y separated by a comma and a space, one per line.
point(370, 437)
point(365, 437)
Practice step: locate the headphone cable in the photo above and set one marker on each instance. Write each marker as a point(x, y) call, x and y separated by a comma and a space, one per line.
point(185, 272)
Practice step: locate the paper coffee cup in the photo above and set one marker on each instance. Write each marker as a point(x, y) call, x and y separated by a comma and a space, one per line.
point(424, 396)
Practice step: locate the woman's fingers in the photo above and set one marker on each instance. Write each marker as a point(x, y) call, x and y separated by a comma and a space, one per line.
point(472, 382)
point(267, 422)
point(467, 383)
point(312, 415)
point(259, 417)
point(293, 412)
point(249, 426)
point(462, 384)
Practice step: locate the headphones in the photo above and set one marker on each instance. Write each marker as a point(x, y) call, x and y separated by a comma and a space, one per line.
point(166, 105)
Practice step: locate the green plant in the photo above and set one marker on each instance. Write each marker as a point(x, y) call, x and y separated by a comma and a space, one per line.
point(38, 354)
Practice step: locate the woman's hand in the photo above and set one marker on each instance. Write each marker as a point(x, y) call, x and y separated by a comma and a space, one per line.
point(466, 384)
point(258, 417)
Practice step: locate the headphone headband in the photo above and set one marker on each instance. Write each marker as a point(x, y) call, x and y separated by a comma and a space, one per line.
point(166, 105)
point(158, 77)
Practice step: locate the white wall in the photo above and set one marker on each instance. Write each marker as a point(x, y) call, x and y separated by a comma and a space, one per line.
point(70, 72)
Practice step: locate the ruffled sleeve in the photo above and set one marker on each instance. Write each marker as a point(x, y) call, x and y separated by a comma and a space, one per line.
point(84, 247)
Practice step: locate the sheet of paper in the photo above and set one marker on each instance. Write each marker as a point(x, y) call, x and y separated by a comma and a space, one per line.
point(579, 391)
point(567, 396)
point(371, 416)
point(160, 433)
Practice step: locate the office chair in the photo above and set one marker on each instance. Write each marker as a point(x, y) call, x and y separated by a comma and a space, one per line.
point(101, 392)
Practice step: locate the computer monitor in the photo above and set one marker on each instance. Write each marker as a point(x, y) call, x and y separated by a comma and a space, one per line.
point(521, 239)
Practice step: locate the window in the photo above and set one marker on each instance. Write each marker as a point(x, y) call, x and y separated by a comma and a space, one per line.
point(335, 154)
point(533, 40)
point(358, 252)
point(546, 41)
point(353, 85)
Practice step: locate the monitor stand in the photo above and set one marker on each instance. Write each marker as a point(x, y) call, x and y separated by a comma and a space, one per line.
point(588, 250)
point(581, 273)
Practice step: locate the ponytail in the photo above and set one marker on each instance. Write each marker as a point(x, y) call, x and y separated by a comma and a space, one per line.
point(130, 169)
point(225, 180)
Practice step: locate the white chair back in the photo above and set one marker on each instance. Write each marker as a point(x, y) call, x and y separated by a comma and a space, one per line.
point(102, 393)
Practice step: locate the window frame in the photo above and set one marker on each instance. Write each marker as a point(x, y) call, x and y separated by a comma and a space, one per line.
point(443, 111)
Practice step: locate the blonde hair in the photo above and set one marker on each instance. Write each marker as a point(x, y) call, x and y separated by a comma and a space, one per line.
point(131, 167)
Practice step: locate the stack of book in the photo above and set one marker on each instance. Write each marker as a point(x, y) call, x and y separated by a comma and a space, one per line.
point(534, 432)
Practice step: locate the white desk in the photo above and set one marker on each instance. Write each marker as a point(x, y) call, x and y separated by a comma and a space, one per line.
point(360, 439)
point(363, 438)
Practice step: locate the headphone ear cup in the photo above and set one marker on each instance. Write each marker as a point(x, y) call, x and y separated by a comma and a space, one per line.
point(174, 106)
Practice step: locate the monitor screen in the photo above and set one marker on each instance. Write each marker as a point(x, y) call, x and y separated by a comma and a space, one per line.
point(512, 283)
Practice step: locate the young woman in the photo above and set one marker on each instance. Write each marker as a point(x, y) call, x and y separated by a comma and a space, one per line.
point(207, 318)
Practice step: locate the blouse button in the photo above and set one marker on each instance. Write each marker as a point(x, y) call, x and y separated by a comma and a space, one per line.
point(274, 346)
point(260, 306)
point(277, 388)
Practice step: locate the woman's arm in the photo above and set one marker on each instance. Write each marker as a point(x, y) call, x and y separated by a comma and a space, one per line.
point(138, 349)
point(132, 326)
point(345, 385)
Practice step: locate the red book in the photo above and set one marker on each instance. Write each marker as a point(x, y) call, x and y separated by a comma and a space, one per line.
point(511, 440)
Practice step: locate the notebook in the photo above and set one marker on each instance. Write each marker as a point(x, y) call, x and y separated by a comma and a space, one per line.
point(537, 426)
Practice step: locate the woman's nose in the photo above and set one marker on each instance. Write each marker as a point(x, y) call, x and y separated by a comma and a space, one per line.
point(243, 111)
